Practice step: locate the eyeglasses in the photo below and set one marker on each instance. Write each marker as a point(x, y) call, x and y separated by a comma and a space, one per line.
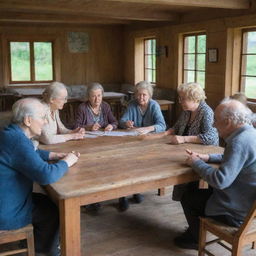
point(63, 98)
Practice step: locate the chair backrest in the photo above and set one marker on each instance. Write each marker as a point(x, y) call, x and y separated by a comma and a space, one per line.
point(248, 221)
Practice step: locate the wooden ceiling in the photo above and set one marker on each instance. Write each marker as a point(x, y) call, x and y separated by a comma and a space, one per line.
point(111, 11)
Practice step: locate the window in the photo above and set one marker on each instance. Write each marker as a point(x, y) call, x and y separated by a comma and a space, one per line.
point(194, 56)
point(150, 60)
point(248, 64)
point(30, 62)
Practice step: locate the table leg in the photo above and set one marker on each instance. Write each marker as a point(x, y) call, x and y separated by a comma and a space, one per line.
point(70, 227)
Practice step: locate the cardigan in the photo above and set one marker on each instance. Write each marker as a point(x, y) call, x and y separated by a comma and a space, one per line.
point(234, 182)
point(201, 126)
point(152, 116)
point(53, 131)
point(84, 116)
point(20, 166)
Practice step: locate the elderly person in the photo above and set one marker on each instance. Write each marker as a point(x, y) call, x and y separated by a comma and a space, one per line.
point(224, 201)
point(55, 96)
point(144, 116)
point(95, 113)
point(20, 165)
point(195, 122)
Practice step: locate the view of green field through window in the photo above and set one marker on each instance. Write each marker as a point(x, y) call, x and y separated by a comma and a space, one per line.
point(31, 61)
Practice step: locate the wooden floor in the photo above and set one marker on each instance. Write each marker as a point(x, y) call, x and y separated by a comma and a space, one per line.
point(145, 229)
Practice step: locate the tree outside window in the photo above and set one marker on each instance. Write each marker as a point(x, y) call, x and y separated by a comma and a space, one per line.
point(194, 56)
point(248, 64)
point(31, 62)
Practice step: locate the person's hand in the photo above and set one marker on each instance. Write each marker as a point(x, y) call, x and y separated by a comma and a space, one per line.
point(78, 130)
point(142, 130)
point(71, 158)
point(56, 156)
point(76, 136)
point(174, 139)
point(109, 127)
point(169, 132)
point(96, 127)
point(129, 124)
point(193, 156)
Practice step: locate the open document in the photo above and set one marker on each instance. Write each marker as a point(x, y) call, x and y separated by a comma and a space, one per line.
point(94, 134)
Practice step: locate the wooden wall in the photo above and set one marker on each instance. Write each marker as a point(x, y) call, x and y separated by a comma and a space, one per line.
point(220, 34)
point(103, 62)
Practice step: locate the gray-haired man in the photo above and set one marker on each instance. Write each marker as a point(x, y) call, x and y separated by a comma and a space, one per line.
point(233, 185)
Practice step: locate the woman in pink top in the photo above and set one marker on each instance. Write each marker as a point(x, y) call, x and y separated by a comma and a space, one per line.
point(55, 96)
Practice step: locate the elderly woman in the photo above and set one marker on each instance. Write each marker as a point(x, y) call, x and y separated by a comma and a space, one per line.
point(55, 96)
point(20, 165)
point(95, 113)
point(144, 115)
point(195, 124)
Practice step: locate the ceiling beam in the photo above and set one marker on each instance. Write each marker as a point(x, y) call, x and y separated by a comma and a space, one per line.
point(226, 4)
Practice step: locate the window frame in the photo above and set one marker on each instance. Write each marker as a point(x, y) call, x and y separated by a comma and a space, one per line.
point(196, 54)
point(242, 87)
point(32, 61)
point(144, 59)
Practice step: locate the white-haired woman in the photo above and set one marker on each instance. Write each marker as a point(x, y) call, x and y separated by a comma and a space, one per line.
point(144, 115)
point(95, 114)
point(195, 124)
point(55, 96)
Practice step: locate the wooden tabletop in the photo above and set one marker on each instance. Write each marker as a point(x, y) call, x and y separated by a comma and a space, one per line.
point(114, 162)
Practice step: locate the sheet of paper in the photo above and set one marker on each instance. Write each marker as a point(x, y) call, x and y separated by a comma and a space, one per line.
point(94, 134)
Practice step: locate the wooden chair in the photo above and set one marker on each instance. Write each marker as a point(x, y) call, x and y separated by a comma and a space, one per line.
point(25, 233)
point(236, 237)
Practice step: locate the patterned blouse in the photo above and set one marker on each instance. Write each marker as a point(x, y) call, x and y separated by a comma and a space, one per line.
point(201, 126)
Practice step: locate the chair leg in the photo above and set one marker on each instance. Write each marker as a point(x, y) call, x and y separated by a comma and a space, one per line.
point(30, 243)
point(253, 245)
point(202, 239)
point(161, 191)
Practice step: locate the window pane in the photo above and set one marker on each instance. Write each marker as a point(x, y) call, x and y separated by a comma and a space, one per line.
point(153, 76)
point(201, 78)
point(153, 46)
point(190, 42)
point(189, 76)
point(200, 62)
point(201, 44)
point(43, 61)
point(20, 61)
point(250, 87)
point(148, 61)
point(189, 61)
point(249, 42)
point(249, 65)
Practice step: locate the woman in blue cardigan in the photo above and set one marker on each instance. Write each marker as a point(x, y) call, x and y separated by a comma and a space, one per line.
point(20, 165)
point(144, 116)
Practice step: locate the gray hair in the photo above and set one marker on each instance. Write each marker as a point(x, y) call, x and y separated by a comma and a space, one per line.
point(192, 91)
point(145, 85)
point(236, 111)
point(93, 87)
point(24, 108)
point(52, 91)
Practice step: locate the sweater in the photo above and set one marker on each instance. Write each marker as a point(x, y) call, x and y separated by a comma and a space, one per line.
point(234, 182)
point(152, 116)
point(20, 165)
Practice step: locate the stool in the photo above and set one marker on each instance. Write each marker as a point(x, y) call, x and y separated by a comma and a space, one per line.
point(8, 236)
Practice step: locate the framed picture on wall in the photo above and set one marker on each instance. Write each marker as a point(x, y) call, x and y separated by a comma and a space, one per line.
point(213, 55)
point(78, 42)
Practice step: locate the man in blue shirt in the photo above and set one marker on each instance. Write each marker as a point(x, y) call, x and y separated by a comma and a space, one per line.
point(20, 165)
point(223, 201)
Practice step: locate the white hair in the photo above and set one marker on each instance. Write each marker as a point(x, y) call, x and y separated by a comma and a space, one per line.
point(145, 85)
point(52, 91)
point(235, 111)
point(24, 108)
point(93, 87)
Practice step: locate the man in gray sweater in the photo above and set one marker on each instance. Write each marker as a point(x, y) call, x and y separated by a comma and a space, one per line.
point(232, 186)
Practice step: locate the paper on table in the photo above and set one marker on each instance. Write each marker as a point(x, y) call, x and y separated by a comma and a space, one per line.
point(89, 134)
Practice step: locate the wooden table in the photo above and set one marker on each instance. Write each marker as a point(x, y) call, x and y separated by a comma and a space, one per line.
point(112, 167)
point(167, 105)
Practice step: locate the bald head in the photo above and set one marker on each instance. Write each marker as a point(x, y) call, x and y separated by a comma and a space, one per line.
point(26, 107)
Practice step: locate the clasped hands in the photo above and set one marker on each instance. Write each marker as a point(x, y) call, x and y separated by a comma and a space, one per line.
point(70, 158)
point(141, 130)
point(193, 156)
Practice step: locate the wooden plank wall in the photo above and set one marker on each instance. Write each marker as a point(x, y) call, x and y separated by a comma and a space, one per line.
point(103, 62)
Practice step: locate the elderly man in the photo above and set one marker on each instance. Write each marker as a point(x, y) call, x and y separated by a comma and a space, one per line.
point(224, 200)
point(20, 165)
